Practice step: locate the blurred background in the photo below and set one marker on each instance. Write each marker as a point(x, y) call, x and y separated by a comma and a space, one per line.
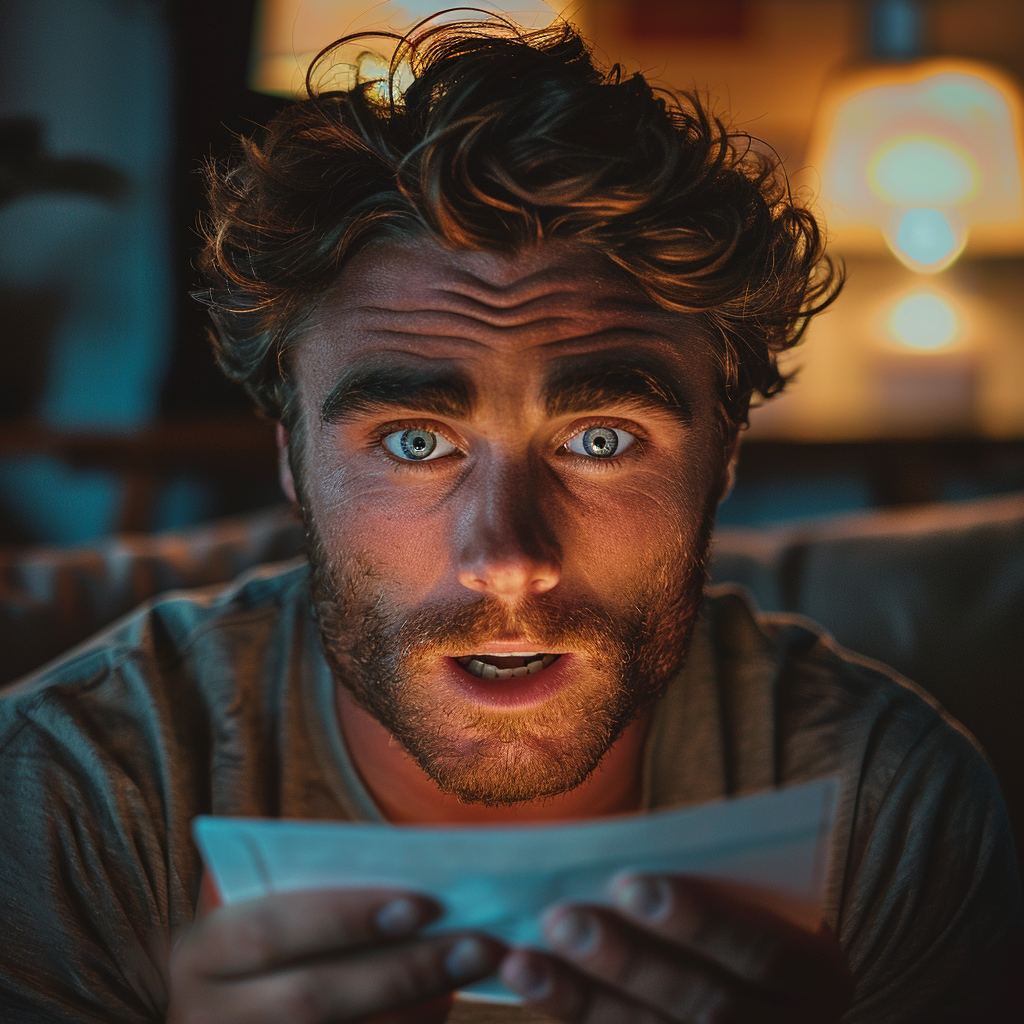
point(902, 119)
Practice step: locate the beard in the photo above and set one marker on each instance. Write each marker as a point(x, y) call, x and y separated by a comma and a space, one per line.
point(624, 658)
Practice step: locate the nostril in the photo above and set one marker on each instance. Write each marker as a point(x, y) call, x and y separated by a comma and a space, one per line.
point(510, 579)
point(542, 584)
point(473, 581)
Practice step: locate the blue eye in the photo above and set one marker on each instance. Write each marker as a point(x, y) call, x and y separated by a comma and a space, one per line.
point(418, 445)
point(600, 442)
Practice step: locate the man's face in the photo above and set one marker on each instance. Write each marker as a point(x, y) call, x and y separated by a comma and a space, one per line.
point(508, 473)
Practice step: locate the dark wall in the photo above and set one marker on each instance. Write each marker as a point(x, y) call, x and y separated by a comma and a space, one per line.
point(213, 105)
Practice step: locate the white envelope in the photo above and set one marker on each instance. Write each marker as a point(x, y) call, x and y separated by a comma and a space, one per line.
point(498, 880)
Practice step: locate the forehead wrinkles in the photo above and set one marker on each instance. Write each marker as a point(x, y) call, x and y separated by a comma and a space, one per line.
point(429, 300)
point(515, 297)
point(428, 328)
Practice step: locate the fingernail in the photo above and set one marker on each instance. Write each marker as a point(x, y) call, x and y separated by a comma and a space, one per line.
point(468, 958)
point(646, 898)
point(527, 976)
point(574, 931)
point(399, 917)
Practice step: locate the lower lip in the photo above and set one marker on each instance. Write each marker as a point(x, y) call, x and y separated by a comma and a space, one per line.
point(521, 692)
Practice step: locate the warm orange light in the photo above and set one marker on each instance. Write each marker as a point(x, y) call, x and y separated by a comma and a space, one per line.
point(926, 158)
point(288, 33)
point(924, 321)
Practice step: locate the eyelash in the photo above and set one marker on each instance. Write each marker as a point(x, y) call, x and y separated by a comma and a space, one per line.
point(376, 444)
point(636, 448)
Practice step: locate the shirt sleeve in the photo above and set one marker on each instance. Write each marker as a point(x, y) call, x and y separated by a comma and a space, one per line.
point(87, 893)
point(933, 891)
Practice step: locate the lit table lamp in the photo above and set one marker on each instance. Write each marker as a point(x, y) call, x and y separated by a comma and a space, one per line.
point(926, 156)
point(923, 159)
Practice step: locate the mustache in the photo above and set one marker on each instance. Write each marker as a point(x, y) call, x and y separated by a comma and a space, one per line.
point(353, 611)
point(457, 628)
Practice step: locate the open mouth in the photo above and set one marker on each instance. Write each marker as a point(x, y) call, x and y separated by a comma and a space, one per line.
point(507, 666)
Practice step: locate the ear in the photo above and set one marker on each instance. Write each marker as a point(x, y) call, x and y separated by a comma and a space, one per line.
point(284, 468)
point(732, 457)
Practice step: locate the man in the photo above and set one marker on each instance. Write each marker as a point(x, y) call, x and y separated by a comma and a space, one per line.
point(510, 325)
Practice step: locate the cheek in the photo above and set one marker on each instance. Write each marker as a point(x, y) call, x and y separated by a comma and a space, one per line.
point(394, 529)
point(617, 531)
point(621, 539)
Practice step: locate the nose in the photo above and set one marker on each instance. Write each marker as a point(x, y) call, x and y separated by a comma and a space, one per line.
point(506, 548)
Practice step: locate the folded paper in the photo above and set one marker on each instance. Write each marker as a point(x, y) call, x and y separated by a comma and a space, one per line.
point(498, 880)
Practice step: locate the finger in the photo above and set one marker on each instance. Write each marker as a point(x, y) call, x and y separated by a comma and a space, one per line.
point(280, 929)
point(553, 988)
point(610, 955)
point(741, 937)
point(366, 984)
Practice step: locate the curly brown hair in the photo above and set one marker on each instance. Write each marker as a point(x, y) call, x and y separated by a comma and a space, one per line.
point(503, 139)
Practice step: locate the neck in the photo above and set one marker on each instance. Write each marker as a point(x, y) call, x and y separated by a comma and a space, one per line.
point(405, 793)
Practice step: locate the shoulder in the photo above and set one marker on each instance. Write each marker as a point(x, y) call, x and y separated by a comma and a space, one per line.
point(164, 630)
point(924, 883)
point(820, 692)
point(825, 710)
point(173, 660)
point(108, 753)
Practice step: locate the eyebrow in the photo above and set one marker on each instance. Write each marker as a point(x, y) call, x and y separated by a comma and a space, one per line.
point(582, 386)
point(577, 386)
point(439, 392)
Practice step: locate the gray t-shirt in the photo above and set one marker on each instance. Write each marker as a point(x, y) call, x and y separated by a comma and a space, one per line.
point(220, 702)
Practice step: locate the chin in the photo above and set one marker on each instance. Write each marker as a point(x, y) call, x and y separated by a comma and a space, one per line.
point(500, 756)
point(506, 774)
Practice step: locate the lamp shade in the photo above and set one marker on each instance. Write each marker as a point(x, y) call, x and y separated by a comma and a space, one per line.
point(925, 157)
point(288, 33)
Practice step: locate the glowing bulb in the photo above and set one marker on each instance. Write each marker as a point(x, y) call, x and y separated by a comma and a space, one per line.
point(927, 240)
point(923, 171)
point(924, 321)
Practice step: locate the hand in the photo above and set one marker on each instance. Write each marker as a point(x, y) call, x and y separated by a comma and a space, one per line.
point(679, 949)
point(307, 957)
